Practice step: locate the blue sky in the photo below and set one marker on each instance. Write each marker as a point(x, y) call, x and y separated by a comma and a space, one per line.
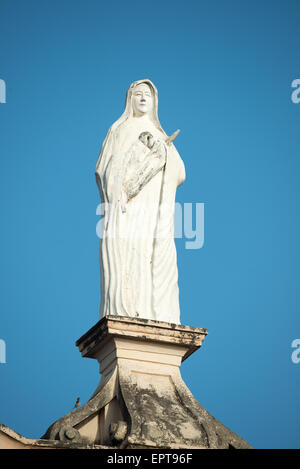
point(223, 72)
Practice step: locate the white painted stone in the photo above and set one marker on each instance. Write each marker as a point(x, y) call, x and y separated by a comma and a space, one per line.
point(138, 172)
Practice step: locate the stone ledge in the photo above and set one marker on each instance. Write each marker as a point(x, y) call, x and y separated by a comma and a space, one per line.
point(9, 439)
point(143, 330)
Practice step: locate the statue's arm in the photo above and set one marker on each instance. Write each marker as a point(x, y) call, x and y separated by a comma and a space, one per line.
point(138, 174)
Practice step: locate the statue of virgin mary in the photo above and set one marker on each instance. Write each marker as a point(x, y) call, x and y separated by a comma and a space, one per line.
point(137, 173)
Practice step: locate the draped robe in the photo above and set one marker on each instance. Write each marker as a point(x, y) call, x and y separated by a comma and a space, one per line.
point(138, 261)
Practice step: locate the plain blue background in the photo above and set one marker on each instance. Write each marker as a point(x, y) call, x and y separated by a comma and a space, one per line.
point(223, 71)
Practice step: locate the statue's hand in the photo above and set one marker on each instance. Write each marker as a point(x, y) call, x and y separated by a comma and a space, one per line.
point(157, 147)
point(147, 139)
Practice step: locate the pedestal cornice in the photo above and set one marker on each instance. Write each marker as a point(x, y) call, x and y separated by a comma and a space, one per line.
point(142, 329)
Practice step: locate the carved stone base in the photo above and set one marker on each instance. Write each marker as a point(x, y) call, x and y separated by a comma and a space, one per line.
point(141, 400)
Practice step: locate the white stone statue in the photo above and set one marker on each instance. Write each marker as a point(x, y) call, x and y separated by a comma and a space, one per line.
point(138, 172)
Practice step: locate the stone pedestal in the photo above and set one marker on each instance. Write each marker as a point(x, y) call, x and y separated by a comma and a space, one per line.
point(141, 400)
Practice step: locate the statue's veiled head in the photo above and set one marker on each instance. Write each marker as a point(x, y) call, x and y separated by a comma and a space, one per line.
point(141, 100)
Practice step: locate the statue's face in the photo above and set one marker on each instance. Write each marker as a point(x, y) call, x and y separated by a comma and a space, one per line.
point(142, 100)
